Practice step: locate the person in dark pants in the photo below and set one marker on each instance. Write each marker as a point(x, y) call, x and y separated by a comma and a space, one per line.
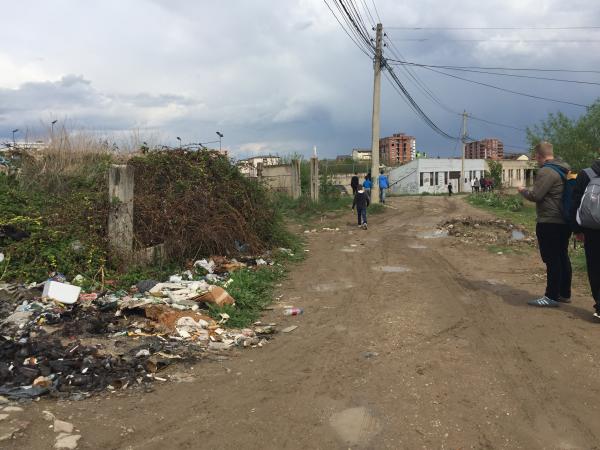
point(361, 201)
point(354, 183)
point(450, 189)
point(553, 232)
point(589, 236)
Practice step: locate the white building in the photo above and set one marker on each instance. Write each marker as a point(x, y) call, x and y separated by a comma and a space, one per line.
point(248, 166)
point(434, 175)
point(361, 154)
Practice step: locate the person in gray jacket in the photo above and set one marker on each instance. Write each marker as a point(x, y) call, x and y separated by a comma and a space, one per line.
point(552, 231)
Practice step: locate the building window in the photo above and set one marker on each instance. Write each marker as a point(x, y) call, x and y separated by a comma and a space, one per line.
point(437, 178)
point(430, 178)
point(421, 176)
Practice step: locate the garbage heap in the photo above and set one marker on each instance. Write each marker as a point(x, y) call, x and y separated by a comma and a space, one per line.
point(66, 343)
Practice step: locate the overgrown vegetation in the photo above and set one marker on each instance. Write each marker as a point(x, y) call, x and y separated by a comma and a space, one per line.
point(574, 140)
point(57, 203)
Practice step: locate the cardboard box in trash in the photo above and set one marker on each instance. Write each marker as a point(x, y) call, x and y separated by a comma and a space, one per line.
point(61, 292)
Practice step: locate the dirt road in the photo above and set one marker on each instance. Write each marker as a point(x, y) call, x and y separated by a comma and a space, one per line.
point(407, 341)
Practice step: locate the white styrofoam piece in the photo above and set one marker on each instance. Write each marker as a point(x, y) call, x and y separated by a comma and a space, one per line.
point(61, 292)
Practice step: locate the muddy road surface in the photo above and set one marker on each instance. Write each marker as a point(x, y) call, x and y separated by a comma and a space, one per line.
point(408, 340)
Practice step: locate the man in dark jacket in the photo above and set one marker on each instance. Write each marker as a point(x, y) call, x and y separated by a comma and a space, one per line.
point(590, 237)
point(354, 183)
point(361, 201)
point(552, 231)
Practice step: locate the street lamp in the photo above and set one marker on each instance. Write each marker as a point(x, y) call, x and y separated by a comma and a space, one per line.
point(220, 137)
point(52, 125)
point(179, 139)
point(13, 132)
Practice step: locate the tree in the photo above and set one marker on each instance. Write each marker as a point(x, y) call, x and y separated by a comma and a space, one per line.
point(575, 140)
point(495, 172)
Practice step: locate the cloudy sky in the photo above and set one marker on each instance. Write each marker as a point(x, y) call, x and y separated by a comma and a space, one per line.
point(281, 76)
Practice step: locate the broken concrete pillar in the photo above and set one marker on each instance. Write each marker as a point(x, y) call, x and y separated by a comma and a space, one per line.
point(296, 189)
point(120, 219)
point(314, 179)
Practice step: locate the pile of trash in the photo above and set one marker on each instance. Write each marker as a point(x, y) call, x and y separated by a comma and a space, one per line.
point(55, 339)
point(491, 232)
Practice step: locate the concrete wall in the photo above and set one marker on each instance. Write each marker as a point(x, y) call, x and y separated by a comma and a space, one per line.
point(278, 178)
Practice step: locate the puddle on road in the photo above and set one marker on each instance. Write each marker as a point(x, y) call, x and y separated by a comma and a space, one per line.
point(355, 426)
point(517, 235)
point(329, 287)
point(392, 269)
point(435, 234)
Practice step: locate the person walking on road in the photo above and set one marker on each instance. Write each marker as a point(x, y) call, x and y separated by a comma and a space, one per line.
point(361, 202)
point(383, 185)
point(552, 231)
point(472, 186)
point(585, 221)
point(367, 184)
point(450, 189)
point(477, 185)
point(354, 183)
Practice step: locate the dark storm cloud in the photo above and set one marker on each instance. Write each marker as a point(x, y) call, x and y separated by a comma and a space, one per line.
point(282, 76)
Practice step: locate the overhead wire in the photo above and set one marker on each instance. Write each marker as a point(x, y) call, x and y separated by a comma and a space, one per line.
point(525, 94)
point(507, 69)
point(562, 80)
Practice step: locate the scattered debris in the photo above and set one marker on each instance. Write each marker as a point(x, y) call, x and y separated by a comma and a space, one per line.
point(490, 232)
point(289, 329)
point(293, 311)
point(67, 344)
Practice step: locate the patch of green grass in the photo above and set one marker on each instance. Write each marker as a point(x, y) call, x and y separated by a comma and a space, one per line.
point(376, 208)
point(509, 207)
point(303, 210)
point(252, 290)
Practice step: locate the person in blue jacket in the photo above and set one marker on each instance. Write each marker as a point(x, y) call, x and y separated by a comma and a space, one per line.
point(368, 184)
point(383, 185)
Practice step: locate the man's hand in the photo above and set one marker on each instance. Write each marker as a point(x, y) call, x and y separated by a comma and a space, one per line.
point(580, 237)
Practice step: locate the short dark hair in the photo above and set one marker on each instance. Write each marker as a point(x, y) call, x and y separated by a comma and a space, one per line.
point(359, 186)
point(381, 171)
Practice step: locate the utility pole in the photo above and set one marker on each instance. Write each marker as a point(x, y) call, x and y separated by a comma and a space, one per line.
point(376, 111)
point(464, 141)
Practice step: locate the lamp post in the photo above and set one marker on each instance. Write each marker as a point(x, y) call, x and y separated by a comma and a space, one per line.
point(52, 126)
point(220, 137)
point(14, 142)
point(179, 139)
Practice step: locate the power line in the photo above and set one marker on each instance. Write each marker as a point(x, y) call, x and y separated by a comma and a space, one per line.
point(376, 12)
point(353, 39)
point(562, 80)
point(496, 28)
point(537, 41)
point(508, 69)
point(538, 97)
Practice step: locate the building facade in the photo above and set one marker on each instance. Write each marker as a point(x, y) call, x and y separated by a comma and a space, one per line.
point(433, 175)
point(491, 148)
point(397, 149)
point(361, 154)
point(248, 166)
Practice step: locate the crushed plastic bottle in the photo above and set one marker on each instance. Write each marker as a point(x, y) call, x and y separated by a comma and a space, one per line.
point(293, 311)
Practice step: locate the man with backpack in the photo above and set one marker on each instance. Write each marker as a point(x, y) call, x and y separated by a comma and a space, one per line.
point(585, 221)
point(552, 229)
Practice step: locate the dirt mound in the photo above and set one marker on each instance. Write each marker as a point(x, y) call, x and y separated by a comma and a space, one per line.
point(490, 232)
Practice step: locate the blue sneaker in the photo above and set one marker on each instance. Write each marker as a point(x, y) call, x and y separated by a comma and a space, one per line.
point(544, 302)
